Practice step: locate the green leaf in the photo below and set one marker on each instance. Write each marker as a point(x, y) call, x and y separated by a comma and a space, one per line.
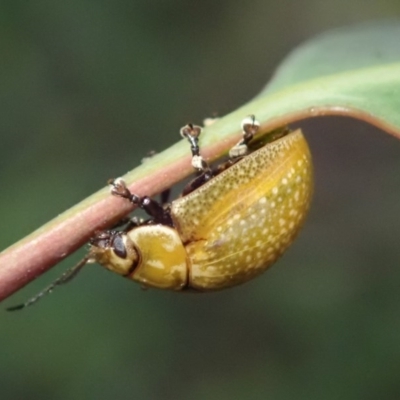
point(353, 71)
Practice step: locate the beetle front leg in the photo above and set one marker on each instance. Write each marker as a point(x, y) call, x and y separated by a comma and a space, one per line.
point(150, 206)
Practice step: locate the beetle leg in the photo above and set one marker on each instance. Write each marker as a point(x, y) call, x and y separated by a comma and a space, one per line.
point(250, 127)
point(164, 196)
point(150, 206)
point(192, 133)
point(196, 183)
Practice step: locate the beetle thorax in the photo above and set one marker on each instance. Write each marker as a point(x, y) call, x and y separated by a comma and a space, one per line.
point(162, 257)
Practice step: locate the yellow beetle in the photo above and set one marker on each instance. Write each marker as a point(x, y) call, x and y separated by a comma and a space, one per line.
point(229, 226)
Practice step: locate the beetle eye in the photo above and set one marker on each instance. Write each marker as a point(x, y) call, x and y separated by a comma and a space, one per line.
point(118, 246)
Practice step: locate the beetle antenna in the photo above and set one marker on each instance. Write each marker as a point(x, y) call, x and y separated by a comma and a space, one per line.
point(68, 275)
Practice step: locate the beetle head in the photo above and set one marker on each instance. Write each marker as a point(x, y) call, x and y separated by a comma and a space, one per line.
point(115, 251)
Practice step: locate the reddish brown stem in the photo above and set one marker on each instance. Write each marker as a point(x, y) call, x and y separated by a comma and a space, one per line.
point(35, 254)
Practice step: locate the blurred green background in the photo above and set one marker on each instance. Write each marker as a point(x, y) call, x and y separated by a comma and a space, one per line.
point(87, 89)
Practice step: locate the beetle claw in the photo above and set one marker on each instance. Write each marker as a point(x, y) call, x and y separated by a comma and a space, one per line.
point(119, 188)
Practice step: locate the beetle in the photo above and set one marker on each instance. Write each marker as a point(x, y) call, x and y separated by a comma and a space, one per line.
point(229, 225)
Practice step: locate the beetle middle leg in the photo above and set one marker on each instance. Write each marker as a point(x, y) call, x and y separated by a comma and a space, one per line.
point(192, 133)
